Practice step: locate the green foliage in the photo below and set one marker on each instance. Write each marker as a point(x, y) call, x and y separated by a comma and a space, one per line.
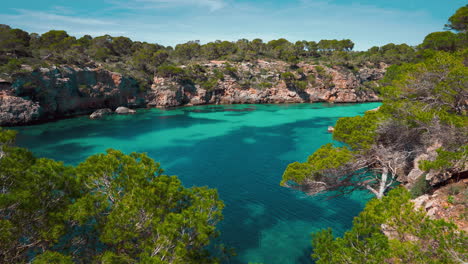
point(232, 71)
point(187, 51)
point(7, 136)
point(53, 37)
point(391, 54)
point(265, 85)
point(302, 85)
point(50, 257)
point(421, 187)
point(444, 41)
point(209, 84)
point(218, 74)
point(417, 97)
point(445, 159)
point(455, 189)
point(291, 81)
point(13, 65)
point(329, 157)
point(141, 208)
point(288, 76)
point(123, 206)
point(34, 206)
point(450, 199)
point(170, 71)
point(141, 59)
point(358, 132)
point(320, 70)
point(13, 40)
point(296, 172)
point(324, 159)
point(413, 236)
point(459, 21)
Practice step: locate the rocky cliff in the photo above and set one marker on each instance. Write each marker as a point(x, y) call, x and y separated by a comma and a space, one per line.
point(46, 94)
point(265, 82)
point(58, 92)
point(449, 203)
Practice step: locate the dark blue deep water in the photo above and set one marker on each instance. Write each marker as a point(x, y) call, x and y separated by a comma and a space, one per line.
point(241, 150)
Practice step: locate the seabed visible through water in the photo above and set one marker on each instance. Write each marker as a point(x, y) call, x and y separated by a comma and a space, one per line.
point(242, 150)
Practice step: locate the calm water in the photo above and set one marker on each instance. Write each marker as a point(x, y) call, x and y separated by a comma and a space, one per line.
point(241, 150)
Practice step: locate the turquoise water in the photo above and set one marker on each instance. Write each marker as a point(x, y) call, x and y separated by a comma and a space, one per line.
point(242, 150)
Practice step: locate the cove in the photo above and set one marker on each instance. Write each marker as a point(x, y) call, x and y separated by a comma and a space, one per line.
point(241, 150)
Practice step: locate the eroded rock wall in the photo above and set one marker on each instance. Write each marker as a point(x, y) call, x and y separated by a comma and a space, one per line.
point(58, 92)
point(335, 84)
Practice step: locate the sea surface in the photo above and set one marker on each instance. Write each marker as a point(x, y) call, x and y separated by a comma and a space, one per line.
point(241, 150)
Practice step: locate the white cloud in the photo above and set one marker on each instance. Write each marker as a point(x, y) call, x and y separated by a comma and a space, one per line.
point(44, 16)
point(212, 5)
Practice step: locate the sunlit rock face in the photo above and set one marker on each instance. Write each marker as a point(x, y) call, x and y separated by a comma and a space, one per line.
point(248, 85)
point(57, 92)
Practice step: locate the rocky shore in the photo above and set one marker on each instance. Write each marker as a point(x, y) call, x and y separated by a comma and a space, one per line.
point(65, 91)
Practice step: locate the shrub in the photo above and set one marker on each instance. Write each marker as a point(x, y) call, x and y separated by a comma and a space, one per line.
point(455, 189)
point(218, 74)
point(450, 199)
point(300, 85)
point(266, 85)
point(421, 187)
point(287, 76)
point(320, 70)
point(170, 71)
point(209, 84)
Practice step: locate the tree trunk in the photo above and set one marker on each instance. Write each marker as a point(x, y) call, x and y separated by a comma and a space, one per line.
point(382, 186)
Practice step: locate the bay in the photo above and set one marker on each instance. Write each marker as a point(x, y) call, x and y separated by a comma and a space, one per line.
point(241, 150)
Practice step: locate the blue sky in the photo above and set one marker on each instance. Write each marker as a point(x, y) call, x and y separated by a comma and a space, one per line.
point(168, 22)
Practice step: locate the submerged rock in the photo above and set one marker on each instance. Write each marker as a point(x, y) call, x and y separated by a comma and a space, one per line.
point(124, 110)
point(100, 113)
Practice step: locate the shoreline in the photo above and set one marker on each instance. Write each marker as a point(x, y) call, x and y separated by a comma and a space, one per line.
point(42, 122)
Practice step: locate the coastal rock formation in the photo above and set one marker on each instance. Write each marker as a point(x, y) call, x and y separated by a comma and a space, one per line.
point(124, 110)
point(16, 110)
point(448, 203)
point(100, 113)
point(262, 82)
point(57, 92)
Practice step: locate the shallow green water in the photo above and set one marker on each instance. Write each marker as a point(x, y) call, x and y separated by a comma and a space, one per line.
point(242, 150)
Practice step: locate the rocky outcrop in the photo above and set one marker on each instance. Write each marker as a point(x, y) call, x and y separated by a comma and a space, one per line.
point(57, 92)
point(261, 82)
point(46, 94)
point(433, 177)
point(100, 113)
point(124, 111)
point(16, 110)
point(448, 203)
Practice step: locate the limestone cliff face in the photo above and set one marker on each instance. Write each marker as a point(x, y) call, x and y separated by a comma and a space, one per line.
point(261, 82)
point(65, 91)
point(46, 94)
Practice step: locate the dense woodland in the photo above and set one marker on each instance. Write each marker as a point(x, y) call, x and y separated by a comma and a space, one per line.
point(117, 208)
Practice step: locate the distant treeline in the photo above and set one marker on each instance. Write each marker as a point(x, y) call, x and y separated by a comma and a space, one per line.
point(141, 60)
